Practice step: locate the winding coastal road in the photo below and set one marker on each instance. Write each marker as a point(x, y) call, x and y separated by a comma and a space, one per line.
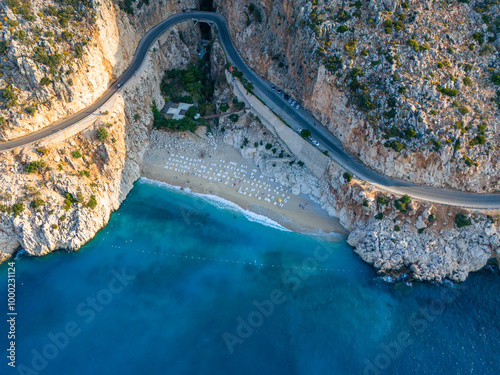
point(298, 119)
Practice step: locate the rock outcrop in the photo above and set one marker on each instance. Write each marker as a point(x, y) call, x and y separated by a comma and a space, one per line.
point(408, 87)
point(58, 196)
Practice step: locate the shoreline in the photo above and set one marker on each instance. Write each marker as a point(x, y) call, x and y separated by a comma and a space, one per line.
point(296, 213)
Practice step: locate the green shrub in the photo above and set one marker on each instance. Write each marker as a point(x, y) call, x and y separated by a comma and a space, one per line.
point(350, 47)
point(347, 177)
point(18, 208)
point(463, 110)
point(495, 78)
point(481, 128)
point(85, 173)
point(479, 37)
point(412, 43)
point(224, 107)
point(467, 81)
point(462, 221)
point(76, 154)
point(45, 81)
point(4, 46)
point(305, 133)
point(35, 166)
point(383, 200)
point(440, 65)
point(234, 117)
point(342, 29)
point(447, 91)
point(30, 110)
point(478, 140)
point(403, 204)
point(269, 146)
point(37, 203)
point(397, 228)
point(395, 145)
point(366, 203)
point(469, 162)
point(102, 134)
point(92, 203)
point(9, 96)
point(379, 216)
point(42, 150)
point(252, 8)
point(410, 133)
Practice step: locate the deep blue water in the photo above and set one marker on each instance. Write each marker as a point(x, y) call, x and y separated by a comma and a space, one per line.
point(190, 278)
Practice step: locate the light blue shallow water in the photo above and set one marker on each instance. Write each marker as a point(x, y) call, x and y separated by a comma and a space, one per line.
point(190, 278)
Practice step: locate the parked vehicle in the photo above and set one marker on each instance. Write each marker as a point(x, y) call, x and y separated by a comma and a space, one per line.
point(275, 88)
point(315, 142)
point(297, 106)
point(293, 103)
point(279, 91)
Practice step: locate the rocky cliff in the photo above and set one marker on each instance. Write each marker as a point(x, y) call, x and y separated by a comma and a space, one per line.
point(397, 235)
point(411, 88)
point(59, 56)
point(58, 196)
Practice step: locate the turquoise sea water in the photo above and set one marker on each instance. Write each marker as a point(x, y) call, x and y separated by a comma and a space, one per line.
point(177, 285)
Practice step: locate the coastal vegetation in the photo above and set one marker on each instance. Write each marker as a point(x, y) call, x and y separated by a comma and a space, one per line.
point(195, 81)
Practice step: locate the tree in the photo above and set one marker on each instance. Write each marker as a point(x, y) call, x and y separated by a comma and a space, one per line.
point(102, 134)
point(76, 154)
point(305, 133)
point(462, 221)
point(45, 81)
point(37, 203)
point(347, 177)
point(35, 166)
point(191, 112)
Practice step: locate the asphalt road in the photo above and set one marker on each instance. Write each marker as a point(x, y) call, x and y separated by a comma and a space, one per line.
point(297, 119)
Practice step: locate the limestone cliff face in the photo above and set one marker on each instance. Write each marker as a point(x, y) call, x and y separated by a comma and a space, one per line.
point(393, 60)
point(55, 71)
point(74, 185)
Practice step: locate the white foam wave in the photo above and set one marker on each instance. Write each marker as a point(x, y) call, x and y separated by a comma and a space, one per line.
point(220, 203)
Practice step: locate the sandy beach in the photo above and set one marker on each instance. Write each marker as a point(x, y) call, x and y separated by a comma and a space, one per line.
point(220, 170)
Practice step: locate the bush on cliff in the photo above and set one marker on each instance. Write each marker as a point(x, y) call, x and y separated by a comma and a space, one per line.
point(35, 166)
point(462, 221)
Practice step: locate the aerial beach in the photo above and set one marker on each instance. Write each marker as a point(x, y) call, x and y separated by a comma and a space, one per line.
point(297, 212)
point(250, 187)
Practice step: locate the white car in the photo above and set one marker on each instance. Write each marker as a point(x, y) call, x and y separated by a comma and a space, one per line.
point(299, 130)
point(297, 106)
point(315, 142)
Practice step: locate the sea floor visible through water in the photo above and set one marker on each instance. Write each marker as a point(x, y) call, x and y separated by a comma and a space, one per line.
point(183, 284)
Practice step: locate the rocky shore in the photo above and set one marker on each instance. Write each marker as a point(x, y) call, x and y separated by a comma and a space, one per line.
point(59, 195)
